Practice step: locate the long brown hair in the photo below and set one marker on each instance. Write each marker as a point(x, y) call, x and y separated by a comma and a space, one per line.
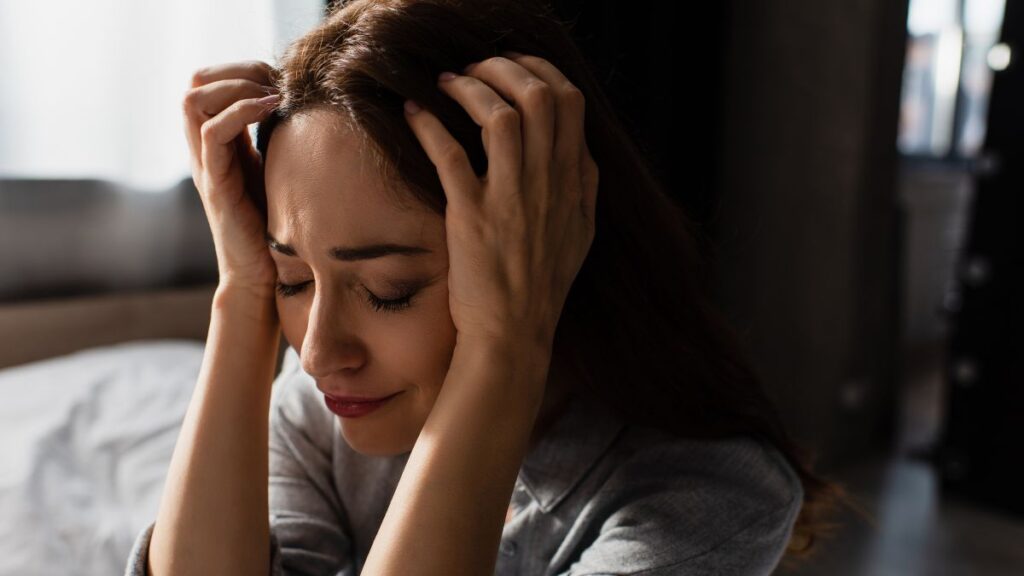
point(637, 315)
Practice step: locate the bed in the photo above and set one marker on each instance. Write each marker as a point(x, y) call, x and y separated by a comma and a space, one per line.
point(95, 390)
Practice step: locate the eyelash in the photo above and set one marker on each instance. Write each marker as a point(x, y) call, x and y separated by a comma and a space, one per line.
point(394, 305)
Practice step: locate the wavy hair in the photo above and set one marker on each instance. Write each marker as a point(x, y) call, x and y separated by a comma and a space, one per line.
point(637, 318)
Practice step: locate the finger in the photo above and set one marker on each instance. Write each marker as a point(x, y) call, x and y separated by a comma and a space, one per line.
point(502, 131)
point(218, 132)
point(533, 99)
point(206, 101)
point(569, 137)
point(457, 177)
point(254, 70)
point(570, 147)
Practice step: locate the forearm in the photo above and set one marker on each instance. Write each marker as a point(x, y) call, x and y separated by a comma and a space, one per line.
point(213, 516)
point(448, 510)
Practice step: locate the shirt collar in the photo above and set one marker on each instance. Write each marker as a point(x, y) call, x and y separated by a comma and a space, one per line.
point(568, 450)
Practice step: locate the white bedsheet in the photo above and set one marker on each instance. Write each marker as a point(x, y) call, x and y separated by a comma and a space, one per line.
point(85, 443)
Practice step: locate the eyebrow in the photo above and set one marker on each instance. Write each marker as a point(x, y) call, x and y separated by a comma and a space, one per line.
point(353, 253)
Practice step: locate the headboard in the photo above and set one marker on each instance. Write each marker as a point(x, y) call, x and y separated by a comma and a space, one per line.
point(37, 330)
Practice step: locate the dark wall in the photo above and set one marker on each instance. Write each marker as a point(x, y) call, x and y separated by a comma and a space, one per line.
point(808, 226)
point(664, 69)
point(774, 123)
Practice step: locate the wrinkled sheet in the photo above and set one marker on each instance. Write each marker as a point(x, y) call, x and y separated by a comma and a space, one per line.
point(85, 443)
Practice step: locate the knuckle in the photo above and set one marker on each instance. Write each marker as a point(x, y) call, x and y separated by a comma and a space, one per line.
point(452, 154)
point(208, 130)
point(242, 103)
point(258, 66)
point(190, 101)
point(538, 93)
point(199, 76)
point(504, 118)
point(246, 108)
point(491, 60)
point(573, 95)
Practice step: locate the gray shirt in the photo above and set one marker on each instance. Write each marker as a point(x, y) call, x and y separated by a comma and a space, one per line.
point(593, 497)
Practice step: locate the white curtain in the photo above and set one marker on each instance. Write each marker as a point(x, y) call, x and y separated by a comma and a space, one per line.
point(93, 89)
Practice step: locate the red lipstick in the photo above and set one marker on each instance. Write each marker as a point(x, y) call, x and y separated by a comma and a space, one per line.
point(353, 407)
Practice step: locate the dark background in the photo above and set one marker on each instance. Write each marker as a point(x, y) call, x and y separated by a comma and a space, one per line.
point(774, 124)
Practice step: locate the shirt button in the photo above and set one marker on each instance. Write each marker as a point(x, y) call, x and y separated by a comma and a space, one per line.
point(508, 547)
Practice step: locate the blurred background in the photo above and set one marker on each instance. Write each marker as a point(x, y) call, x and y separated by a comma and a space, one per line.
point(856, 167)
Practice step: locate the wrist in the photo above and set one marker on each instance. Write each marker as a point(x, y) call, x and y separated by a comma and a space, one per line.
point(245, 301)
point(526, 359)
point(521, 344)
point(252, 290)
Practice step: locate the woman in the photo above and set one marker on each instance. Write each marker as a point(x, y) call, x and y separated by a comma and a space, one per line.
point(485, 255)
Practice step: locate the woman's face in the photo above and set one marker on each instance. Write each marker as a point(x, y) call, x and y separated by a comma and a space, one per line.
point(323, 193)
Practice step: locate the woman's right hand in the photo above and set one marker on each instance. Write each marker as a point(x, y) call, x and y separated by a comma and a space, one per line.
point(227, 169)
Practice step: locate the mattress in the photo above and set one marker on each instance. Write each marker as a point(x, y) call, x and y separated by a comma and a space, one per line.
point(85, 444)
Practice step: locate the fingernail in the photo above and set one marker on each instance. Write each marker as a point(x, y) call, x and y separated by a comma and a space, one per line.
point(445, 76)
point(269, 99)
point(411, 107)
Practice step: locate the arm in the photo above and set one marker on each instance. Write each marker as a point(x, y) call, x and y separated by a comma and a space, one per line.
point(516, 240)
point(213, 516)
point(307, 533)
point(448, 510)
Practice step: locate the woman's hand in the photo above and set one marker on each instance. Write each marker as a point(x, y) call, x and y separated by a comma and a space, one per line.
point(223, 101)
point(516, 239)
point(518, 236)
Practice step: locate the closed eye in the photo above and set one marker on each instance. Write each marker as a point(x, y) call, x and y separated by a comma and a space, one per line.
point(379, 304)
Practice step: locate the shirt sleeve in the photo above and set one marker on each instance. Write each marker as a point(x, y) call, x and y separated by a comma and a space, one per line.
point(138, 558)
point(728, 509)
point(307, 534)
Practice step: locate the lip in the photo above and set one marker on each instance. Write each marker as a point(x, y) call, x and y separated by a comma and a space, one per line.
point(356, 399)
point(345, 406)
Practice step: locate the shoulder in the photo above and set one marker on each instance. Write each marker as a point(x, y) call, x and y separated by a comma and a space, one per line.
point(740, 473)
point(672, 503)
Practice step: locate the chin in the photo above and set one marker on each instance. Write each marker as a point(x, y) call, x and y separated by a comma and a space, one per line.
point(371, 444)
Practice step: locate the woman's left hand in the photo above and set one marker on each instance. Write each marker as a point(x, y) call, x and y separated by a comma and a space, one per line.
point(518, 236)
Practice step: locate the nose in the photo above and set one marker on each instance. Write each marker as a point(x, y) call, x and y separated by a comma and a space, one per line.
point(330, 345)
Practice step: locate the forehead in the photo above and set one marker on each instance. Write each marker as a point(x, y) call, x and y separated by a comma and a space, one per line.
point(321, 183)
